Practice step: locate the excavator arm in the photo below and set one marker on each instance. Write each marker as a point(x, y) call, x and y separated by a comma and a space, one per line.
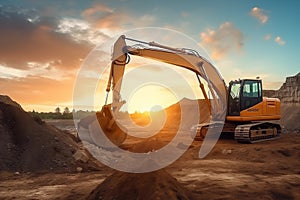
point(185, 58)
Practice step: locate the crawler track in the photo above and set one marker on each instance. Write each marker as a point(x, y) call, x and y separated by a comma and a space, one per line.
point(257, 132)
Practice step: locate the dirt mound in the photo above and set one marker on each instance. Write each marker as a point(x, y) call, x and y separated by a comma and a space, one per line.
point(31, 145)
point(148, 146)
point(188, 105)
point(7, 100)
point(286, 147)
point(154, 185)
point(290, 115)
point(172, 125)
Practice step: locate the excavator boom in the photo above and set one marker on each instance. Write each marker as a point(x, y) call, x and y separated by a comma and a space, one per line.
point(185, 58)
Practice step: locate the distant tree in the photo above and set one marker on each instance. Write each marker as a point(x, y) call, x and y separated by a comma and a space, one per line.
point(66, 114)
point(66, 111)
point(57, 110)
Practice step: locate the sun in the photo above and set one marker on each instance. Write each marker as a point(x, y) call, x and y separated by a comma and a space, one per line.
point(150, 98)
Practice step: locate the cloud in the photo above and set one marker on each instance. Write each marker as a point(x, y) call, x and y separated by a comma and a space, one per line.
point(81, 31)
point(268, 37)
point(101, 16)
point(279, 40)
point(40, 52)
point(38, 63)
point(112, 21)
point(26, 40)
point(96, 9)
point(223, 40)
point(37, 90)
point(259, 14)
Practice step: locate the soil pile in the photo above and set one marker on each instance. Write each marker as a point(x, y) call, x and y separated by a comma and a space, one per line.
point(154, 185)
point(173, 124)
point(188, 106)
point(290, 115)
point(29, 144)
point(147, 145)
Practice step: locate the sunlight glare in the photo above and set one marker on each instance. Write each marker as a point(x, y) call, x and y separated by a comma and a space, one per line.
point(150, 97)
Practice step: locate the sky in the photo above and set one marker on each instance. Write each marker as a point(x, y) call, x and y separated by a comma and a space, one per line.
point(44, 43)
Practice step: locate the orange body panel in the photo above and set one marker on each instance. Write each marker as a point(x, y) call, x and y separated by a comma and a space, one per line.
point(268, 109)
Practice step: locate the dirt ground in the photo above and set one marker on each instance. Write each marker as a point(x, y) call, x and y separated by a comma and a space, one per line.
point(266, 170)
point(39, 161)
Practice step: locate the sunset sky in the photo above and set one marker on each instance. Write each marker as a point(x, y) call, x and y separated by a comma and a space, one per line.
point(43, 43)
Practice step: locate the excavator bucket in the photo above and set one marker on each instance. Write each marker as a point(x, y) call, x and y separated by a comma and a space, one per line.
point(95, 127)
point(109, 126)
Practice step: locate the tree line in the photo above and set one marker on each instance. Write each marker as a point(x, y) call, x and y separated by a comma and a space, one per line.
point(58, 114)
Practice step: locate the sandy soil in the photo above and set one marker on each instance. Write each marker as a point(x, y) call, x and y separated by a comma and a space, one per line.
point(267, 170)
point(39, 161)
point(63, 124)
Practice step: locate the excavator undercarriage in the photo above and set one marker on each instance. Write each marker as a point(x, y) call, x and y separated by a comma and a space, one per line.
point(257, 132)
point(250, 132)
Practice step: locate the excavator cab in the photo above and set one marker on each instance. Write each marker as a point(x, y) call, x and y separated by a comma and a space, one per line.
point(243, 94)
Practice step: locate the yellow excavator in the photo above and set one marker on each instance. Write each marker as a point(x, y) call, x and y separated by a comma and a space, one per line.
point(247, 114)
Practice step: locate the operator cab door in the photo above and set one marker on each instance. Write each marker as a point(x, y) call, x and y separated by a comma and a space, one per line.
point(251, 93)
point(243, 94)
point(234, 98)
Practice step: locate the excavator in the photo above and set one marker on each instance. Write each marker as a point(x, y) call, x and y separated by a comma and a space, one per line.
point(247, 114)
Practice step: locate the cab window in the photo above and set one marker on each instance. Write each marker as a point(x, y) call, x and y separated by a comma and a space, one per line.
point(252, 89)
point(235, 90)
